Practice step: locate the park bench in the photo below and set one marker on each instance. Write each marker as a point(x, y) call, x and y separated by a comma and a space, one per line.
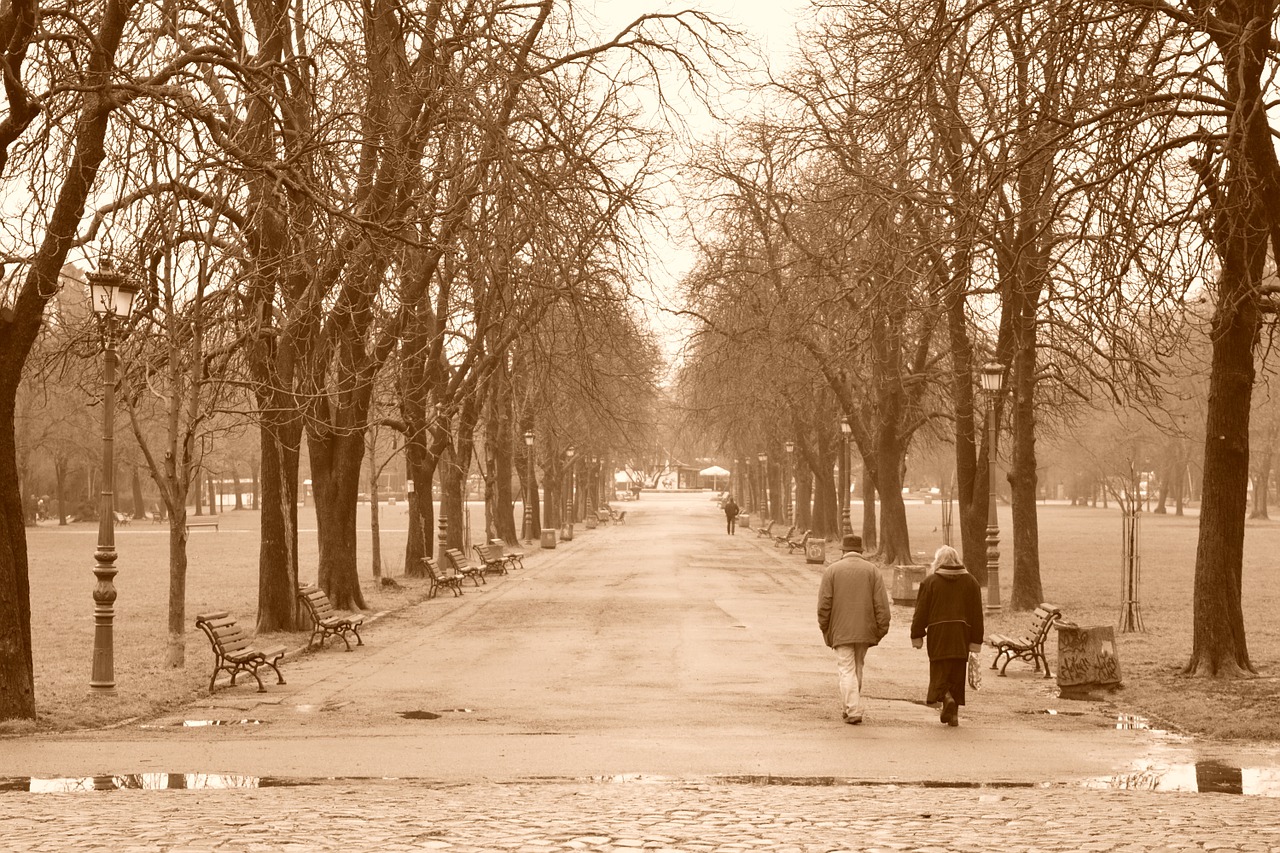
point(462, 566)
point(1030, 647)
point(619, 517)
point(325, 621)
point(766, 528)
point(779, 541)
point(515, 557)
point(233, 650)
point(603, 516)
point(793, 544)
point(491, 558)
point(192, 525)
point(121, 518)
point(440, 577)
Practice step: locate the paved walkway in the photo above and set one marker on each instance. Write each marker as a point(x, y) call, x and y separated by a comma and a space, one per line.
point(399, 816)
point(628, 689)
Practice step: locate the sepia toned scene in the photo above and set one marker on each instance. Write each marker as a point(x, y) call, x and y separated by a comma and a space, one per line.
point(600, 425)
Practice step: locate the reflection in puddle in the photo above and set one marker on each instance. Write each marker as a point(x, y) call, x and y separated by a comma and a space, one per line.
point(1203, 777)
point(139, 782)
point(1132, 721)
point(199, 723)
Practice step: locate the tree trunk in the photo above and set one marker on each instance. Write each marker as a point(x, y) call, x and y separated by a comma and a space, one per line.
point(139, 502)
point(375, 526)
point(213, 494)
point(869, 489)
point(1027, 592)
point(421, 466)
point(20, 323)
point(176, 649)
point(1218, 637)
point(278, 548)
point(235, 479)
point(1261, 483)
point(17, 673)
point(452, 504)
point(804, 498)
point(971, 494)
point(336, 461)
point(60, 487)
point(1243, 200)
point(894, 547)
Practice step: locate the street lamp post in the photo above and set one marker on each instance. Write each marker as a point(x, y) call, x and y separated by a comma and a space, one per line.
point(567, 533)
point(788, 482)
point(111, 295)
point(530, 489)
point(845, 430)
point(992, 384)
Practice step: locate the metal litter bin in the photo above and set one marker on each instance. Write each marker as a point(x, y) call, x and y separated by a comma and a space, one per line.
point(815, 550)
point(548, 537)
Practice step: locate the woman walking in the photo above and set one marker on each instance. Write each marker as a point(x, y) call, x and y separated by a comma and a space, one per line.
point(949, 614)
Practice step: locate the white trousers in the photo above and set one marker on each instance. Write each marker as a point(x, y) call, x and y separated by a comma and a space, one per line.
point(849, 660)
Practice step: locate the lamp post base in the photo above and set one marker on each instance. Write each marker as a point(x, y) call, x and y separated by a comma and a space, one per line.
point(993, 590)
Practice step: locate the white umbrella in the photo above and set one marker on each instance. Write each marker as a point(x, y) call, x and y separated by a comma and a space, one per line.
point(715, 472)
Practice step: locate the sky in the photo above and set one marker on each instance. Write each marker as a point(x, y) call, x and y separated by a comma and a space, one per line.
point(770, 27)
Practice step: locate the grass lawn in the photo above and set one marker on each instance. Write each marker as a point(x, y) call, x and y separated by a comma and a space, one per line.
point(222, 574)
point(1080, 571)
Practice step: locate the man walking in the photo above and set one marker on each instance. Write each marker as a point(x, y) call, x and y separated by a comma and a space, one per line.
point(730, 507)
point(853, 613)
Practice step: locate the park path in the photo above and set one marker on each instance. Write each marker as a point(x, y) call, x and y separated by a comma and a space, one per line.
point(656, 684)
point(660, 647)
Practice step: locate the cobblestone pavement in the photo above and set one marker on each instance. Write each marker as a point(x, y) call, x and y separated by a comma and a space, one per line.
point(391, 816)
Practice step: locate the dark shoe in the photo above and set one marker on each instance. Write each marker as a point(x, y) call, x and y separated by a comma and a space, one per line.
point(950, 711)
point(853, 719)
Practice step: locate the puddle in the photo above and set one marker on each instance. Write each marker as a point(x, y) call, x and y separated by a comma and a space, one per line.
point(1054, 712)
point(1133, 721)
point(199, 723)
point(143, 782)
point(1202, 777)
point(420, 715)
point(836, 781)
point(457, 711)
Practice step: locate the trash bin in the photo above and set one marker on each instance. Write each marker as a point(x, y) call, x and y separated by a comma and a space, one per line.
point(548, 537)
point(1087, 660)
point(906, 583)
point(590, 521)
point(815, 550)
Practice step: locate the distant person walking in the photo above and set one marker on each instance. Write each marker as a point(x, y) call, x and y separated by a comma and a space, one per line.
point(730, 507)
point(853, 613)
point(949, 614)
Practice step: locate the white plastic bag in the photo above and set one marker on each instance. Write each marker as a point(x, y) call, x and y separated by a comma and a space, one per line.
point(975, 671)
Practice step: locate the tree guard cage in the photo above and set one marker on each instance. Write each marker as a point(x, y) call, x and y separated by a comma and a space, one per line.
point(1130, 560)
